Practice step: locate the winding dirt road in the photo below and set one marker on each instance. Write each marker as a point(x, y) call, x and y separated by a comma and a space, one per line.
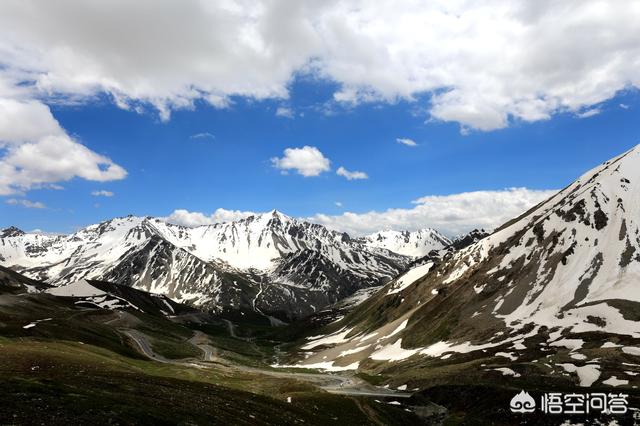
point(343, 384)
point(201, 341)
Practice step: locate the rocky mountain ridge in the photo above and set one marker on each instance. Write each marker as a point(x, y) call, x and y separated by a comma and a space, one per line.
point(270, 263)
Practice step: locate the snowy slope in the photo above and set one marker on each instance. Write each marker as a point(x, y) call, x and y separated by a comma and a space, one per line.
point(563, 279)
point(414, 244)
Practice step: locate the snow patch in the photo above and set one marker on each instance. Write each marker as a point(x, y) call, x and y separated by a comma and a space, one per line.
point(631, 350)
point(587, 374)
point(409, 278)
point(614, 381)
point(332, 339)
point(393, 352)
point(509, 355)
point(507, 371)
point(573, 344)
point(80, 288)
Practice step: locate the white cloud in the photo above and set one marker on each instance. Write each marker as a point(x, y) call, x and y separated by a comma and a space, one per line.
point(41, 232)
point(306, 161)
point(26, 121)
point(485, 63)
point(588, 113)
point(451, 214)
point(203, 135)
point(102, 193)
point(406, 141)
point(26, 203)
point(284, 112)
point(355, 175)
point(186, 218)
point(35, 152)
point(624, 106)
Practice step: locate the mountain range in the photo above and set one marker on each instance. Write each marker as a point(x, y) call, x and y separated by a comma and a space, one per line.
point(269, 263)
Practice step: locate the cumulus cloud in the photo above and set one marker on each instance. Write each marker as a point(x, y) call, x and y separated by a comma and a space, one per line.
point(451, 214)
point(102, 193)
point(406, 141)
point(484, 63)
point(41, 232)
point(35, 151)
point(187, 218)
point(284, 112)
point(306, 161)
point(355, 175)
point(26, 203)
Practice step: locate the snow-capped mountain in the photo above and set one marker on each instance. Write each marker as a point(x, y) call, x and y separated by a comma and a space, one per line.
point(415, 244)
point(553, 293)
point(268, 262)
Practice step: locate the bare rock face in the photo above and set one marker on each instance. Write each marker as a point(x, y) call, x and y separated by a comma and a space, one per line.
point(11, 231)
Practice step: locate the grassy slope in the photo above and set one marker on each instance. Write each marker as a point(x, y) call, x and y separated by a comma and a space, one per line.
point(76, 368)
point(65, 382)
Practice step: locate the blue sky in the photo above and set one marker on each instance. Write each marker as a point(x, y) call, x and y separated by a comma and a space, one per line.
point(489, 107)
point(230, 166)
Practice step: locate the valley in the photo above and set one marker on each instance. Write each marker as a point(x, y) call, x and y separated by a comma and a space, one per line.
point(80, 361)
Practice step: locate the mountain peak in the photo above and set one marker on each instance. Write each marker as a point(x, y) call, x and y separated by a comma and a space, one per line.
point(269, 218)
point(278, 214)
point(415, 244)
point(11, 231)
